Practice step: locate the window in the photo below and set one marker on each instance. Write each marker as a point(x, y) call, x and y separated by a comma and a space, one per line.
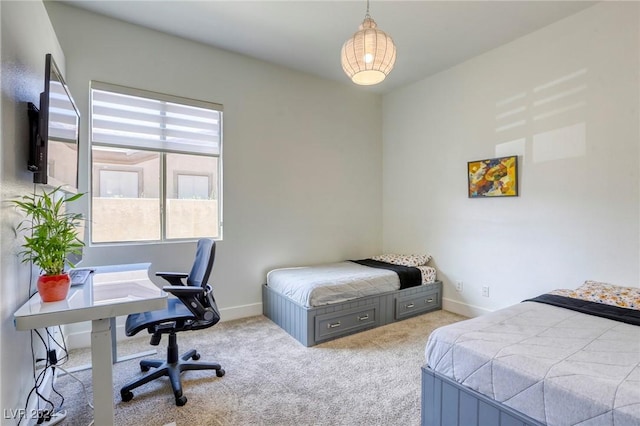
point(192, 186)
point(119, 183)
point(156, 166)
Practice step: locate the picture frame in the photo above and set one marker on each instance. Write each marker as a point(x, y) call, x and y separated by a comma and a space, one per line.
point(493, 177)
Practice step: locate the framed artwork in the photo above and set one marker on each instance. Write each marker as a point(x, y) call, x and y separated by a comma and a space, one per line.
point(494, 177)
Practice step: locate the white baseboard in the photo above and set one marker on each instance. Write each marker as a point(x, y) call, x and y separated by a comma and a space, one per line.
point(80, 337)
point(242, 311)
point(463, 309)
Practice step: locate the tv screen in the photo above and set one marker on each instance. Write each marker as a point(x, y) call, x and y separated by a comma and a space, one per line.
point(54, 152)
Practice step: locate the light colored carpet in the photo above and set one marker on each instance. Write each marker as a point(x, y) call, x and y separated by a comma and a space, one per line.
point(370, 378)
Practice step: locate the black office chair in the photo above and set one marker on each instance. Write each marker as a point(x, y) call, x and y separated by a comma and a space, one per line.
point(195, 308)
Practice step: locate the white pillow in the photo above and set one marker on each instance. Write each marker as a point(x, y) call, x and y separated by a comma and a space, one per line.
point(404, 259)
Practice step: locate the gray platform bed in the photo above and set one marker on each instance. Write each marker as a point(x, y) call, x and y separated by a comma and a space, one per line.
point(549, 360)
point(446, 402)
point(314, 325)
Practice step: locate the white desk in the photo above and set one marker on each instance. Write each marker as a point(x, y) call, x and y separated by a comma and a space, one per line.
point(110, 292)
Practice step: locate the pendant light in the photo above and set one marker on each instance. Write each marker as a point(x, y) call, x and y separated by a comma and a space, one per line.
point(368, 56)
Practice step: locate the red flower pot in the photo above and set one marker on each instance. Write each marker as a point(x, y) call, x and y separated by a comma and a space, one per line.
point(53, 288)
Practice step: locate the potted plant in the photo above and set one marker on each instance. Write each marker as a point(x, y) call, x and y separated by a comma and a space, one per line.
point(51, 234)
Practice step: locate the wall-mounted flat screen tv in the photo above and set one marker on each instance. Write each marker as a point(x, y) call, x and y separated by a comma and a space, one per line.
point(54, 133)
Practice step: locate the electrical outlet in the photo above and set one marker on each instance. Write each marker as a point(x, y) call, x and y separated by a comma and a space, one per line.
point(459, 286)
point(485, 291)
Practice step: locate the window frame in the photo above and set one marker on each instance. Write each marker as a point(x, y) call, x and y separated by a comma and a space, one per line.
point(162, 152)
point(138, 170)
point(176, 181)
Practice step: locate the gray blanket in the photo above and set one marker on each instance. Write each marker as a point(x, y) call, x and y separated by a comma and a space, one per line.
point(555, 365)
point(331, 283)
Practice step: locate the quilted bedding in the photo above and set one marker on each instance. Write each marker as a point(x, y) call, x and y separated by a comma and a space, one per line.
point(337, 282)
point(558, 366)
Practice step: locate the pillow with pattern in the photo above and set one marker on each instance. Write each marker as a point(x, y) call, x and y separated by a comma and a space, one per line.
point(404, 259)
point(428, 274)
point(609, 294)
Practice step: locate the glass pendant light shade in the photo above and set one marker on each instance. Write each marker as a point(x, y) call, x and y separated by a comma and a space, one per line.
point(368, 57)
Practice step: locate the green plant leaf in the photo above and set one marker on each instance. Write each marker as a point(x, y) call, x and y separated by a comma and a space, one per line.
point(53, 231)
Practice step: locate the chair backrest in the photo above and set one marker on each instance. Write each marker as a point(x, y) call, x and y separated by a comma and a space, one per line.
point(206, 310)
point(203, 263)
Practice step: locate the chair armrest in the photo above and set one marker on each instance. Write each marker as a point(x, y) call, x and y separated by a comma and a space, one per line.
point(190, 298)
point(181, 290)
point(174, 278)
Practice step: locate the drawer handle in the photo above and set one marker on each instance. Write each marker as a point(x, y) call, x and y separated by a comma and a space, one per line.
point(334, 325)
point(429, 300)
point(409, 306)
point(364, 317)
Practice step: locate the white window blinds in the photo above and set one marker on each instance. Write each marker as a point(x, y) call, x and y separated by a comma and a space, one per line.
point(126, 117)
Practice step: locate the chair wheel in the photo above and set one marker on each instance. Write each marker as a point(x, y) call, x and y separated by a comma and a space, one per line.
point(220, 373)
point(180, 401)
point(126, 396)
point(195, 356)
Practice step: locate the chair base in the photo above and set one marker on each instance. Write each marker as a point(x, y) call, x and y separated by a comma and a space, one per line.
point(172, 367)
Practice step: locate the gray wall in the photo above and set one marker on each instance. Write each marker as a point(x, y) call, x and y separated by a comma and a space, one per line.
point(302, 156)
point(565, 100)
point(26, 36)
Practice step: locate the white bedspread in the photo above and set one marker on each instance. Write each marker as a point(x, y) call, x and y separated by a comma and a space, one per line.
point(555, 365)
point(331, 283)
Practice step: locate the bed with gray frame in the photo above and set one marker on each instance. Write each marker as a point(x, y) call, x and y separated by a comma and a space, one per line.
point(320, 303)
point(551, 360)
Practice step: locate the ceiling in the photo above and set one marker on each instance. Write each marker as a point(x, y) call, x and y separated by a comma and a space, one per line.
point(304, 35)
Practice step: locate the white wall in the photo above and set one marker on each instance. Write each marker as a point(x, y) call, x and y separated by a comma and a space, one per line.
point(573, 87)
point(26, 36)
point(302, 156)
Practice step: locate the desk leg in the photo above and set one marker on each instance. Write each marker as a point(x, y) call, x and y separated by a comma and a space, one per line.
point(102, 373)
point(114, 341)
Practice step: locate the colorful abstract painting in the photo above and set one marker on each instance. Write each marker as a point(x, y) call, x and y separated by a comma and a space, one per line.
point(495, 177)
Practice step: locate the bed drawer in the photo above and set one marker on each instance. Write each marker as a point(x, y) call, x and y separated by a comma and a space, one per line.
point(415, 304)
point(345, 322)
